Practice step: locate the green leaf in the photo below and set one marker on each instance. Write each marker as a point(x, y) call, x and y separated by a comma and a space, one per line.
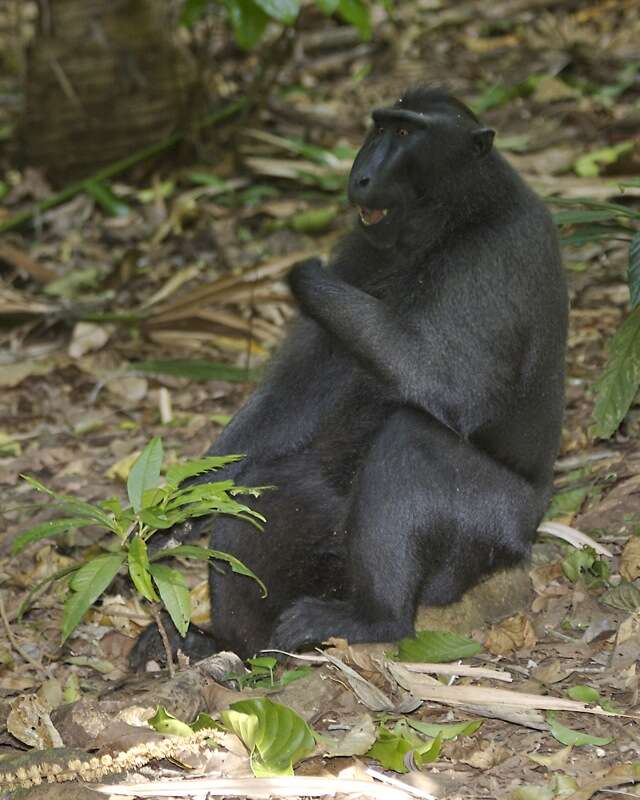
point(284, 11)
point(566, 502)
point(105, 198)
point(86, 585)
point(174, 595)
point(158, 520)
point(205, 722)
point(568, 737)
point(177, 473)
point(72, 505)
point(47, 530)
point(579, 215)
point(436, 647)
point(584, 694)
point(356, 13)
point(634, 270)
point(625, 596)
point(276, 737)
point(446, 730)
point(204, 554)
point(584, 234)
point(192, 11)
point(327, 7)
point(395, 750)
point(618, 384)
point(164, 722)
point(589, 165)
point(145, 472)
point(198, 369)
point(248, 22)
point(139, 569)
point(584, 564)
point(315, 220)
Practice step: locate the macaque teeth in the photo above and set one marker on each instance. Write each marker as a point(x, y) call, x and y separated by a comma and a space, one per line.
point(371, 216)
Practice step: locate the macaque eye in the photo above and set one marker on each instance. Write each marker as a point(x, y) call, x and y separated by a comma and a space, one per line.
point(379, 131)
point(402, 132)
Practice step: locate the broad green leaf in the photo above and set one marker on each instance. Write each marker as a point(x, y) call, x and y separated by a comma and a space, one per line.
point(106, 199)
point(197, 369)
point(177, 473)
point(356, 13)
point(145, 472)
point(139, 569)
point(174, 594)
point(46, 530)
point(618, 384)
point(436, 647)
point(284, 11)
point(205, 722)
point(276, 737)
point(446, 730)
point(86, 585)
point(248, 22)
point(584, 694)
point(164, 722)
point(634, 270)
point(158, 520)
point(327, 7)
point(584, 564)
point(390, 750)
point(204, 554)
point(398, 752)
point(577, 738)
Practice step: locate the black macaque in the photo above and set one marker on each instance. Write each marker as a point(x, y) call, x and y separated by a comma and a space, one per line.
point(411, 418)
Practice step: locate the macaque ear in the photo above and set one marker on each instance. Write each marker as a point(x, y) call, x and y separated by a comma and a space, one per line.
point(482, 141)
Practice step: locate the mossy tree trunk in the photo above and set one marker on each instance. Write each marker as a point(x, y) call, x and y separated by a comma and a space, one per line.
point(103, 78)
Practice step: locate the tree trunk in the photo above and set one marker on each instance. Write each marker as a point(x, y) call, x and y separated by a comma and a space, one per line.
point(103, 78)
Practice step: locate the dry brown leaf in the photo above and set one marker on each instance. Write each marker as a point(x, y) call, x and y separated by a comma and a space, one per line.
point(512, 634)
point(29, 722)
point(630, 559)
point(88, 337)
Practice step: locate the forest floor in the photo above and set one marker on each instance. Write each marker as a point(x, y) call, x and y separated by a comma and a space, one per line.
point(190, 268)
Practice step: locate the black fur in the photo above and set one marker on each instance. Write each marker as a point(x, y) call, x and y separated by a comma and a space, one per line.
point(411, 418)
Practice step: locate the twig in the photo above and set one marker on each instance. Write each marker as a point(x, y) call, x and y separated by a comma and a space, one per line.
point(12, 639)
point(165, 639)
point(294, 786)
point(458, 669)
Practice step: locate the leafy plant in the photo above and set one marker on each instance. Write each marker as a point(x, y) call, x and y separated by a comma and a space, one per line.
point(249, 18)
point(400, 749)
point(584, 220)
point(276, 737)
point(436, 647)
point(261, 674)
point(585, 565)
point(567, 736)
point(153, 506)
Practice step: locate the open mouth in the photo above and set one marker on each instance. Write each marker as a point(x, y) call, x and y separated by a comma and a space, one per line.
point(372, 216)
